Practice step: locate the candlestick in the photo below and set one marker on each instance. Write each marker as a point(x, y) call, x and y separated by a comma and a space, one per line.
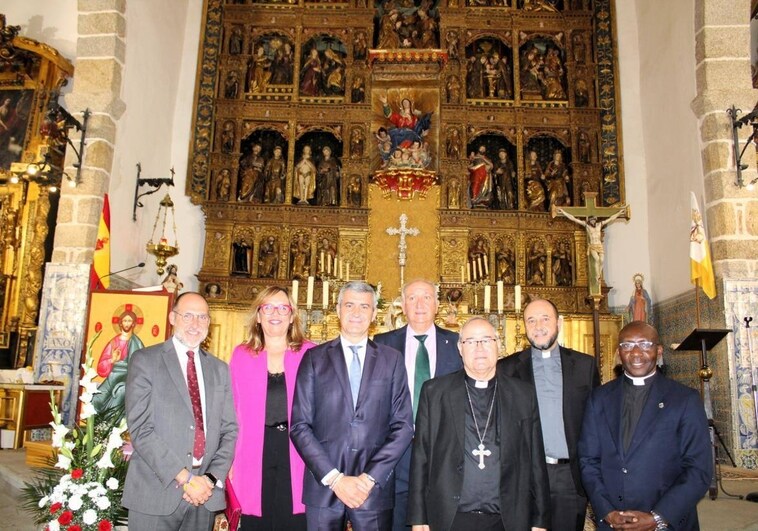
point(295, 287)
point(325, 295)
point(309, 294)
point(517, 297)
point(487, 297)
point(499, 296)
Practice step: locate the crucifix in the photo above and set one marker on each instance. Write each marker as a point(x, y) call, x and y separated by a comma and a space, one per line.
point(596, 217)
point(481, 453)
point(402, 246)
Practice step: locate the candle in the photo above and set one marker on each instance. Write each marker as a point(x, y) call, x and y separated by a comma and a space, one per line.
point(295, 286)
point(479, 268)
point(486, 267)
point(499, 296)
point(517, 293)
point(468, 271)
point(476, 299)
point(329, 264)
point(325, 295)
point(463, 274)
point(321, 262)
point(347, 271)
point(487, 297)
point(340, 268)
point(309, 294)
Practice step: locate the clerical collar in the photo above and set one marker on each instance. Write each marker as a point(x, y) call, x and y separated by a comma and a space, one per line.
point(640, 381)
point(479, 384)
point(545, 354)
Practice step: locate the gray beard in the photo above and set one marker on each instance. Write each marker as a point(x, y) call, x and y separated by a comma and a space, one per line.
point(547, 345)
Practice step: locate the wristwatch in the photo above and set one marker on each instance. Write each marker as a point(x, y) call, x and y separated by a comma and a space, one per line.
point(216, 483)
point(660, 523)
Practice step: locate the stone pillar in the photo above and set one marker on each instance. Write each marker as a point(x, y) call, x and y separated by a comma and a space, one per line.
point(97, 86)
point(722, 31)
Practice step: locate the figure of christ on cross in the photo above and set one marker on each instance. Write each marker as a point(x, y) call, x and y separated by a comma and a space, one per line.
point(402, 246)
point(594, 227)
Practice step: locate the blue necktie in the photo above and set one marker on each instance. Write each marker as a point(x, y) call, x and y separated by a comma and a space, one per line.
point(355, 374)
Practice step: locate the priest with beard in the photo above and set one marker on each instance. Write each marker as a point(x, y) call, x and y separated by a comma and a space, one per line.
point(478, 461)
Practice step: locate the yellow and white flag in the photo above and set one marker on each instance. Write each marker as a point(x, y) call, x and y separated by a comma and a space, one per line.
point(701, 268)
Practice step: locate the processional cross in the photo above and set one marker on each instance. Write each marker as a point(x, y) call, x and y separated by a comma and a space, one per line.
point(402, 247)
point(596, 218)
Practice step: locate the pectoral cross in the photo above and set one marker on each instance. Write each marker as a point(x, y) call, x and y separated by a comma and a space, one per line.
point(402, 247)
point(481, 453)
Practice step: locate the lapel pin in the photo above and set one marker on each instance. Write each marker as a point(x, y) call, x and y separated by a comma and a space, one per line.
point(660, 405)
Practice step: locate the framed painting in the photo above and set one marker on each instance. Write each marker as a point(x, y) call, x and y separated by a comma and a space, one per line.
point(15, 113)
point(126, 322)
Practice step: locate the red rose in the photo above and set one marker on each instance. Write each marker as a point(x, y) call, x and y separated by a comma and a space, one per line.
point(75, 527)
point(77, 473)
point(104, 525)
point(54, 508)
point(65, 517)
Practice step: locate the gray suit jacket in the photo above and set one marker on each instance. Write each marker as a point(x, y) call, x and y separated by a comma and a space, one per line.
point(161, 426)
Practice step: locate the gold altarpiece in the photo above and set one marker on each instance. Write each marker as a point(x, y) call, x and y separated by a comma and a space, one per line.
point(31, 76)
point(318, 124)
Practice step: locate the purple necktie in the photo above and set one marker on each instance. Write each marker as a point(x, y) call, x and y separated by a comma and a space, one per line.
point(197, 408)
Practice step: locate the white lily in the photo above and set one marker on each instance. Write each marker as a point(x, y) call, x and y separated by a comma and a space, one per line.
point(88, 410)
point(59, 434)
point(105, 461)
point(63, 462)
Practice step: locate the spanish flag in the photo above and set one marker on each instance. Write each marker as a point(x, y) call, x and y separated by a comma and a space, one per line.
point(701, 268)
point(101, 261)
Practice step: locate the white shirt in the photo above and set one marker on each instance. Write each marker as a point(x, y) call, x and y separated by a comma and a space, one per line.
point(411, 347)
point(181, 354)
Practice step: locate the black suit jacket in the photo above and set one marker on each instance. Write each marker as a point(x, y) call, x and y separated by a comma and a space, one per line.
point(668, 465)
point(580, 377)
point(448, 357)
point(438, 454)
point(329, 434)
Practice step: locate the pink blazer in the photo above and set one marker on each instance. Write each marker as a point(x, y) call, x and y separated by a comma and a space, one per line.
point(249, 375)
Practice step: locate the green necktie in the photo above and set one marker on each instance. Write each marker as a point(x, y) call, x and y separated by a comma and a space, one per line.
point(422, 371)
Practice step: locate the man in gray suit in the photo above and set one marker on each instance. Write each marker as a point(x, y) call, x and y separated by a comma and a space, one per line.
point(429, 351)
point(182, 424)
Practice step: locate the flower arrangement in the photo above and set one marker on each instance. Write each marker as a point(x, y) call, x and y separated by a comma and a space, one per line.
point(83, 490)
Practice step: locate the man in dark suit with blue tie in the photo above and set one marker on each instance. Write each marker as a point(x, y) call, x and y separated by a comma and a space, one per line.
point(645, 452)
point(351, 421)
point(429, 351)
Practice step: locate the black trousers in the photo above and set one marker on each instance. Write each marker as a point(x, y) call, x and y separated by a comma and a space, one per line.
point(477, 522)
point(276, 495)
point(567, 506)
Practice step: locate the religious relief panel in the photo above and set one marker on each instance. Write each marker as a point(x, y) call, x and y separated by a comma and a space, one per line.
point(326, 255)
point(492, 173)
point(270, 67)
point(536, 261)
point(547, 178)
point(263, 166)
point(550, 6)
point(300, 255)
point(505, 259)
point(268, 257)
point(542, 73)
point(489, 69)
point(403, 24)
point(479, 259)
point(318, 170)
point(322, 68)
point(562, 262)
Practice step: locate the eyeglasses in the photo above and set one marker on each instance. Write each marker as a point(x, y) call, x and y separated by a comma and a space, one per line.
point(628, 346)
point(189, 317)
point(484, 342)
point(281, 309)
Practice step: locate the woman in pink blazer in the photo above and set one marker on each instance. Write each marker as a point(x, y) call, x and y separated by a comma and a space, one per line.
point(267, 473)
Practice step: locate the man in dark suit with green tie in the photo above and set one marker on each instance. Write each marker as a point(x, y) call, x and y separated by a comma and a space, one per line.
point(428, 351)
